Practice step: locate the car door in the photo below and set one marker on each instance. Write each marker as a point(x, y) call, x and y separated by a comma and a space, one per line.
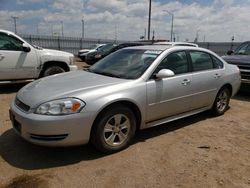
point(170, 96)
point(207, 77)
point(14, 62)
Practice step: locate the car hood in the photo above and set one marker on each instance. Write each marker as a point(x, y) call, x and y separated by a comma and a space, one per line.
point(84, 50)
point(63, 85)
point(50, 52)
point(237, 59)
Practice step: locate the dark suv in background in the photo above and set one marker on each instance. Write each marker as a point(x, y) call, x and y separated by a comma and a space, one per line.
point(93, 57)
point(241, 58)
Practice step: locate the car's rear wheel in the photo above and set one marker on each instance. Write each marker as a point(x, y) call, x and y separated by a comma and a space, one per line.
point(114, 129)
point(54, 69)
point(221, 101)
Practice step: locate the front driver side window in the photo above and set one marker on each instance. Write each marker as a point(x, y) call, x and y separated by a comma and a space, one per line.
point(244, 49)
point(10, 43)
point(176, 61)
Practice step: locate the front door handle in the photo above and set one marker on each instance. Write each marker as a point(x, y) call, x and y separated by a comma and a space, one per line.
point(217, 75)
point(1, 56)
point(186, 82)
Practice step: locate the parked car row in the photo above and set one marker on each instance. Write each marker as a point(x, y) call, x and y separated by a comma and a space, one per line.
point(93, 56)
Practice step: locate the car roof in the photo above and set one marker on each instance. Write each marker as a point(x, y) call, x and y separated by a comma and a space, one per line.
point(177, 43)
point(166, 47)
point(150, 47)
point(6, 31)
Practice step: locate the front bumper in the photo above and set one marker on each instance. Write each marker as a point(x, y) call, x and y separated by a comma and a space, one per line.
point(73, 68)
point(46, 130)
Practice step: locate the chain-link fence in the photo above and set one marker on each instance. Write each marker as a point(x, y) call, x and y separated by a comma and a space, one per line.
point(74, 44)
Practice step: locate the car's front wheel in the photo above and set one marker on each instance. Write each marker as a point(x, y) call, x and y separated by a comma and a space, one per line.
point(114, 129)
point(54, 69)
point(221, 101)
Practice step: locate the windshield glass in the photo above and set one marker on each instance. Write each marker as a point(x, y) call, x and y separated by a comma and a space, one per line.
point(243, 49)
point(106, 48)
point(126, 63)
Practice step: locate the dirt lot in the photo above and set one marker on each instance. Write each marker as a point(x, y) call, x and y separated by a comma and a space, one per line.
point(199, 151)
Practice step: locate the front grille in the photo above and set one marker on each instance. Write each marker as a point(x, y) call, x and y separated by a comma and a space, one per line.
point(21, 105)
point(245, 71)
point(48, 137)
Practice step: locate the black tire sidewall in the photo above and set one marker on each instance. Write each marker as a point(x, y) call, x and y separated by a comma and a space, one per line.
point(215, 110)
point(53, 70)
point(97, 138)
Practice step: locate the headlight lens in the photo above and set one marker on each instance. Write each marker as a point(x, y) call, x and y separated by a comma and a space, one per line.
point(61, 107)
point(98, 56)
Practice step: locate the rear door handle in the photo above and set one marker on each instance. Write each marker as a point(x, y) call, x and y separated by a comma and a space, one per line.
point(186, 82)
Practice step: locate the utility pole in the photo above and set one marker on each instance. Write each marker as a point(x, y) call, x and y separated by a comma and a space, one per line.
point(37, 29)
point(82, 28)
point(149, 19)
point(172, 24)
point(115, 31)
point(62, 28)
point(15, 18)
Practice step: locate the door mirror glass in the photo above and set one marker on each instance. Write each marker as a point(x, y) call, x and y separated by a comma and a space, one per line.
point(26, 48)
point(164, 73)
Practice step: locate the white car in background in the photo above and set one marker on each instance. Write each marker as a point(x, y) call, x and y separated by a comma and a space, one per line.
point(20, 60)
point(177, 44)
point(83, 52)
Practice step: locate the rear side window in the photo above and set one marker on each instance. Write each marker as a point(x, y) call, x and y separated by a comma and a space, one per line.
point(217, 63)
point(201, 61)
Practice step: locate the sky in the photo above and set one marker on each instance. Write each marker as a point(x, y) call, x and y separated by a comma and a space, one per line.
point(209, 20)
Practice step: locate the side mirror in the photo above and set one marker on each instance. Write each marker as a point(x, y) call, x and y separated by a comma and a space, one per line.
point(26, 48)
point(230, 52)
point(164, 73)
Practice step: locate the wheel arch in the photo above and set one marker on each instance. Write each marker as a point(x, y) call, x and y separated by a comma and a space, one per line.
point(131, 105)
point(229, 87)
point(54, 63)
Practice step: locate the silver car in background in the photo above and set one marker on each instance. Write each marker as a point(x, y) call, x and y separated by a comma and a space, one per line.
point(131, 89)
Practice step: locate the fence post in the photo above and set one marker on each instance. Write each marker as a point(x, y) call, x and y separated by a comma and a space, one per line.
point(30, 39)
point(59, 43)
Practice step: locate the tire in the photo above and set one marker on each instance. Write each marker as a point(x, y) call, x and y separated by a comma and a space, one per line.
point(54, 69)
point(221, 102)
point(114, 129)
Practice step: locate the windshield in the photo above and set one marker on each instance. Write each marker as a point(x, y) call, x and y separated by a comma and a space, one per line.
point(243, 49)
point(106, 48)
point(126, 63)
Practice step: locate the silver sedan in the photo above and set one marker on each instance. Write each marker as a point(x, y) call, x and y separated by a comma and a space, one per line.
point(131, 89)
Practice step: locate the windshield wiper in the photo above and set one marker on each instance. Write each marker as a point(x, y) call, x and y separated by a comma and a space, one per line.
point(109, 74)
point(104, 73)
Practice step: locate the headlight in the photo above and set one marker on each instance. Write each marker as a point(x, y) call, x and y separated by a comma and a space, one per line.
point(97, 56)
point(71, 60)
point(61, 107)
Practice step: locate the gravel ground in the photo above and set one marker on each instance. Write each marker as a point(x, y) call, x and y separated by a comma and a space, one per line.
point(198, 151)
